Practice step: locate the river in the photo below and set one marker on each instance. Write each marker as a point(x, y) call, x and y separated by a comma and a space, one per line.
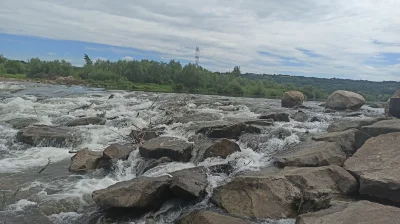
point(58, 196)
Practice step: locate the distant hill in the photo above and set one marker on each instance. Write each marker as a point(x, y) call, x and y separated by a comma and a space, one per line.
point(373, 91)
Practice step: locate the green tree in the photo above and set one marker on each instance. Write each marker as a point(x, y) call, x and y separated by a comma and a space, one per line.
point(2, 69)
point(14, 67)
point(88, 61)
point(236, 71)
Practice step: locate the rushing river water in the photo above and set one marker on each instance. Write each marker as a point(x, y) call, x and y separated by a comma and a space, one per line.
point(58, 196)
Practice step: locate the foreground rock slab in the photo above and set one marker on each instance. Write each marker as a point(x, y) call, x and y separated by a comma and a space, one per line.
point(46, 136)
point(360, 212)
point(344, 100)
point(283, 194)
point(85, 160)
point(378, 128)
point(87, 121)
point(292, 99)
point(173, 148)
point(208, 217)
point(140, 193)
point(346, 139)
point(228, 131)
point(312, 154)
point(377, 166)
point(189, 184)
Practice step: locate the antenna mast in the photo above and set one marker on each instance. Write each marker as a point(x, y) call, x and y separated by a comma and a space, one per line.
point(197, 56)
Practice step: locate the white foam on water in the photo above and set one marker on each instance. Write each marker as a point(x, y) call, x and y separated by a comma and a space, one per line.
point(21, 205)
point(64, 217)
point(33, 157)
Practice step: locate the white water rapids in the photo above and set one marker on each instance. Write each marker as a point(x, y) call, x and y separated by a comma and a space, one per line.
point(57, 196)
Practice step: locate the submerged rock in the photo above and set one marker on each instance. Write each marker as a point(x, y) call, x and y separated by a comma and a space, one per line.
point(149, 164)
point(284, 194)
point(378, 128)
point(143, 135)
point(346, 139)
point(19, 123)
point(140, 193)
point(85, 160)
point(312, 154)
point(343, 100)
point(46, 136)
point(198, 117)
point(282, 117)
point(377, 166)
point(173, 148)
point(300, 116)
point(189, 184)
point(208, 217)
point(360, 212)
point(118, 151)
point(292, 99)
point(221, 148)
point(228, 130)
point(87, 121)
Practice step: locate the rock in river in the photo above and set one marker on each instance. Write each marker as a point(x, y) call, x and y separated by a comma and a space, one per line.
point(85, 160)
point(378, 128)
point(221, 148)
point(346, 139)
point(173, 148)
point(46, 136)
point(300, 116)
point(292, 99)
point(228, 130)
point(344, 125)
point(143, 135)
point(118, 151)
point(86, 121)
point(284, 194)
point(189, 184)
point(343, 100)
point(208, 217)
point(282, 117)
point(19, 123)
point(310, 154)
point(141, 193)
point(377, 166)
point(361, 212)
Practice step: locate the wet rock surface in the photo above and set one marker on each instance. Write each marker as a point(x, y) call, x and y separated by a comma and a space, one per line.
point(173, 148)
point(378, 128)
point(352, 124)
point(87, 121)
point(221, 148)
point(85, 160)
point(19, 123)
point(208, 217)
point(292, 99)
point(346, 139)
point(46, 136)
point(228, 130)
point(282, 117)
point(189, 184)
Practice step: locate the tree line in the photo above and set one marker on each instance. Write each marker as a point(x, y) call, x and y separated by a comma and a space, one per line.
point(187, 78)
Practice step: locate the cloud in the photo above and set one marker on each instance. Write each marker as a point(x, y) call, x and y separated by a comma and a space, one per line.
point(128, 58)
point(308, 37)
point(52, 53)
point(100, 59)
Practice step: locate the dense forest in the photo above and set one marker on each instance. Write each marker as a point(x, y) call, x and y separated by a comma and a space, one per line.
point(173, 76)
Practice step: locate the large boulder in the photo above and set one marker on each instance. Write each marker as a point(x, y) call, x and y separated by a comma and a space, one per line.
point(208, 217)
point(346, 139)
point(394, 105)
point(311, 154)
point(280, 117)
point(46, 136)
point(344, 100)
point(118, 151)
point(284, 194)
point(378, 128)
point(173, 148)
point(19, 123)
point(221, 148)
point(87, 121)
point(360, 212)
point(140, 193)
point(292, 99)
point(228, 130)
point(85, 160)
point(344, 125)
point(189, 184)
point(377, 166)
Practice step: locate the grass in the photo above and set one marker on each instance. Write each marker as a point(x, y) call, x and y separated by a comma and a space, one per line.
point(153, 88)
point(13, 76)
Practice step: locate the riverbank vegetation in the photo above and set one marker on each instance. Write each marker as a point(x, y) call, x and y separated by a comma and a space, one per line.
point(174, 77)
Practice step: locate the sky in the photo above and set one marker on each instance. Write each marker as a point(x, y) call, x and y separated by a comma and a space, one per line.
point(354, 39)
